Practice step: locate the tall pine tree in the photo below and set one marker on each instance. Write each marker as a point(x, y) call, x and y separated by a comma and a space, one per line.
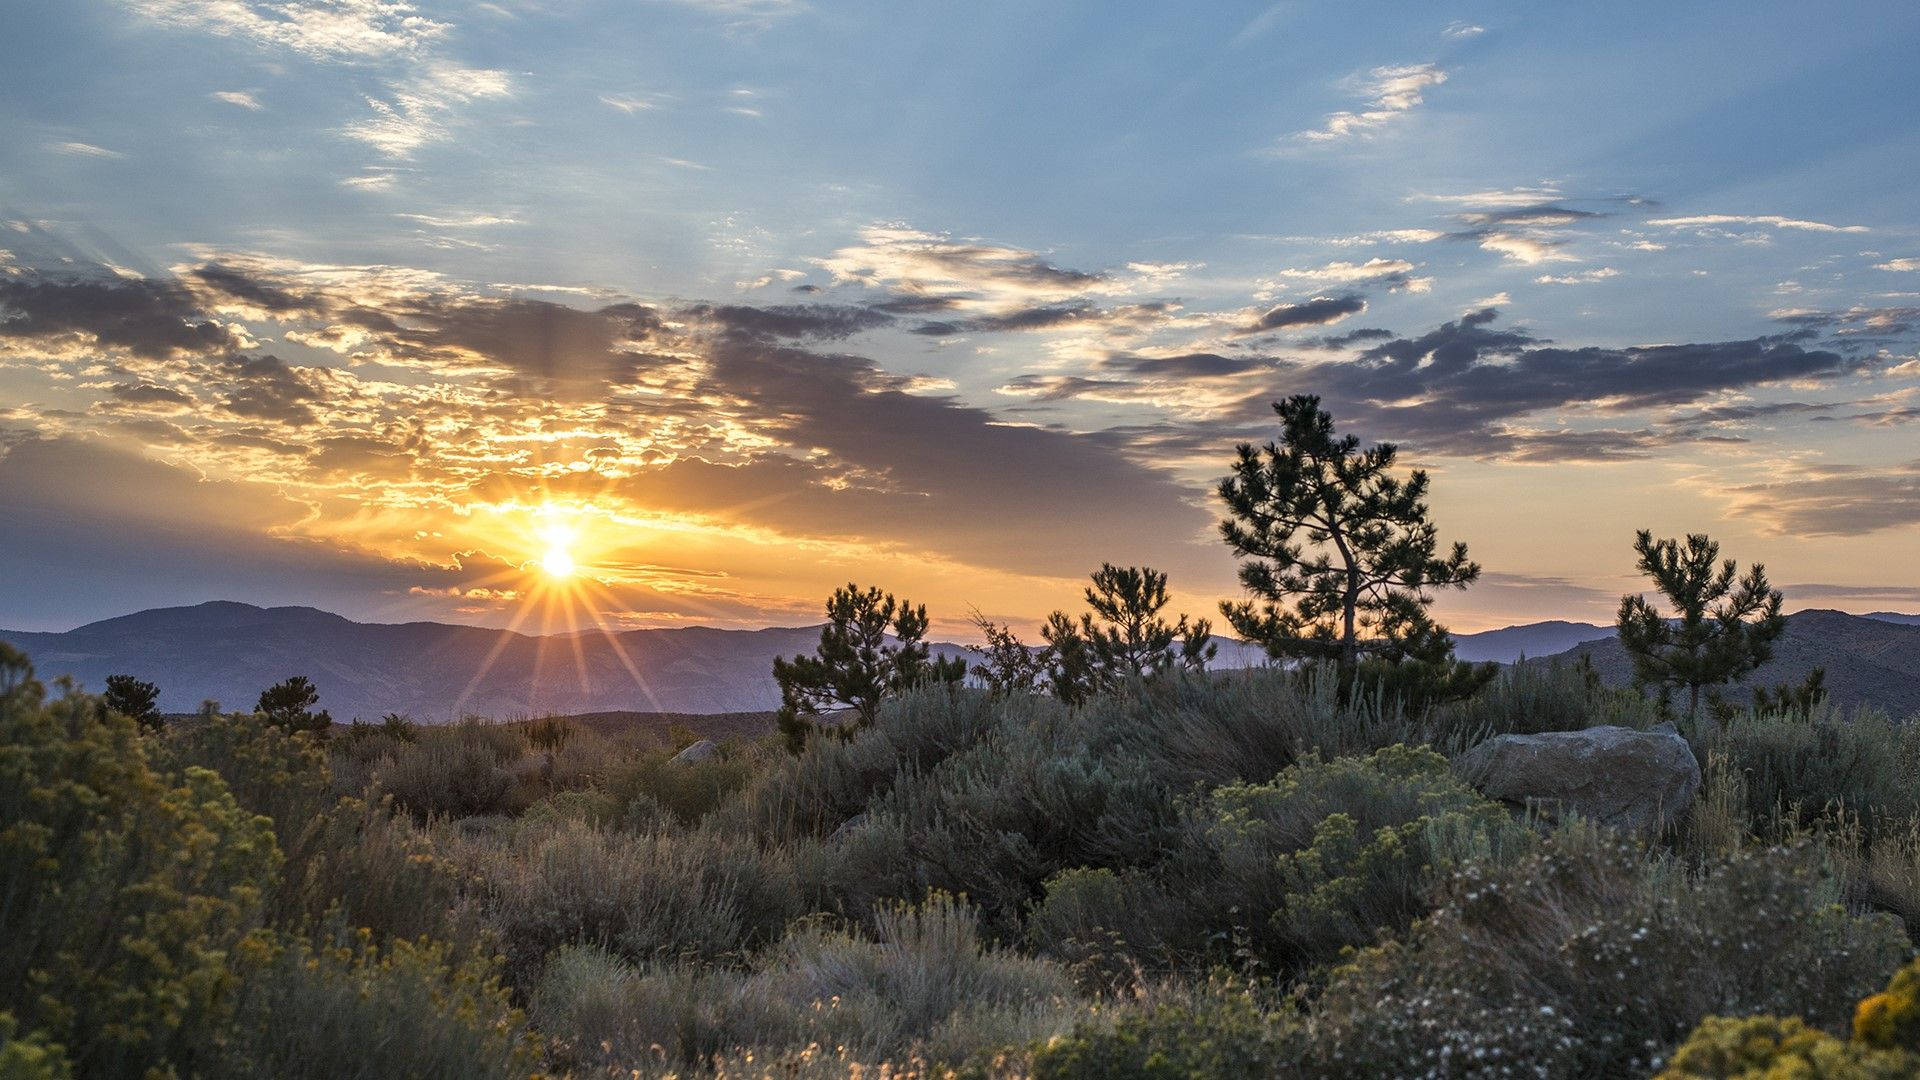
point(1338, 553)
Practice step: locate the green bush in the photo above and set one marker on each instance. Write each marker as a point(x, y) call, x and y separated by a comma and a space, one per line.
point(125, 889)
point(363, 865)
point(1796, 767)
point(689, 790)
point(923, 984)
point(1286, 874)
point(1588, 958)
point(457, 773)
point(1527, 699)
point(1223, 1033)
point(646, 897)
point(351, 1008)
point(269, 769)
point(1885, 1043)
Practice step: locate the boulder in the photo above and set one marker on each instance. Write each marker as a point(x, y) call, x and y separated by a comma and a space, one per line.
point(704, 750)
point(1636, 780)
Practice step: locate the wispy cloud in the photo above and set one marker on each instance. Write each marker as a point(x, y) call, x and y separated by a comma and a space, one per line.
point(80, 149)
point(1582, 278)
point(1461, 29)
point(627, 103)
point(1775, 221)
point(421, 91)
point(237, 97)
point(1389, 91)
point(1901, 265)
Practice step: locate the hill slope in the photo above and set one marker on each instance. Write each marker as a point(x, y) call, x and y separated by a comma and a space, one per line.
point(1868, 660)
point(434, 671)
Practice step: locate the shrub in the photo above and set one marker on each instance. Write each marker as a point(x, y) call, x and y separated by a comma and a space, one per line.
point(453, 773)
point(1586, 958)
point(366, 867)
point(270, 770)
point(817, 791)
point(1328, 855)
point(1885, 1043)
point(125, 889)
point(689, 790)
point(1527, 699)
point(645, 897)
point(922, 984)
point(1222, 1033)
point(1795, 767)
point(351, 1008)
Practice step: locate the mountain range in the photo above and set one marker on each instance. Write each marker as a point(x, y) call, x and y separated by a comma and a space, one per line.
point(228, 652)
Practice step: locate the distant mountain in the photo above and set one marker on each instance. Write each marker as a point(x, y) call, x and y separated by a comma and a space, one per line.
point(1510, 643)
point(1893, 617)
point(1869, 660)
point(435, 671)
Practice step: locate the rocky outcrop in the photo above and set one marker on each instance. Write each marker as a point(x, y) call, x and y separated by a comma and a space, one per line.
point(1637, 780)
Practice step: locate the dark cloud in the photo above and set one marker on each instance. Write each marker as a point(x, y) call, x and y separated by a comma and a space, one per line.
point(1034, 318)
point(266, 388)
point(1187, 365)
point(1315, 312)
point(148, 394)
point(1351, 337)
point(799, 321)
point(146, 317)
point(245, 287)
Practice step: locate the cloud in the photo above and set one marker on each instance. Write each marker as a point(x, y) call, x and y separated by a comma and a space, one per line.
point(920, 264)
point(1318, 311)
point(1458, 29)
point(422, 88)
point(237, 97)
point(1374, 269)
point(627, 103)
point(80, 149)
point(1389, 91)
point(147, 318)
point(1771, 220)
point(1898, 265)
point(1585, 277)
point(1826, 500)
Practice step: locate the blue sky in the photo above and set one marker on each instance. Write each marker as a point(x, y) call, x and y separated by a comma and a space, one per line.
point(1024, 217)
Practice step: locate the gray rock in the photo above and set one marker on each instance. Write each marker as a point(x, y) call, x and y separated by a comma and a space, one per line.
point(1636, 780)
point(704, 750)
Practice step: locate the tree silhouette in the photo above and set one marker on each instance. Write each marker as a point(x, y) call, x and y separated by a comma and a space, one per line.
point(1007, 665)
point(1723, 625)
point(130, 697)
point(855, 666)
point(1339, 554)
point(1124, 638)
point(290, 704)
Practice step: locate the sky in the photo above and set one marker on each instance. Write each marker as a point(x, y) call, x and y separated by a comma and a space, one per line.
point(397, 309)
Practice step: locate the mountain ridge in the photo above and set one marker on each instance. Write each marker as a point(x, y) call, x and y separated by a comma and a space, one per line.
point(228, 651)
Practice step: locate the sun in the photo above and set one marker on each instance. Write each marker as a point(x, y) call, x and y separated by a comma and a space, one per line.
point(557, 563)
point(557, 537)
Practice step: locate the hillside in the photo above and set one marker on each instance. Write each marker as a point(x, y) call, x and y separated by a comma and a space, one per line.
point(433, 671)
point(1869, 660)
point(1510, 643)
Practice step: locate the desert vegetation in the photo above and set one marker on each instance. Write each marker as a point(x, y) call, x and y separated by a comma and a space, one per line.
point(1092, 858)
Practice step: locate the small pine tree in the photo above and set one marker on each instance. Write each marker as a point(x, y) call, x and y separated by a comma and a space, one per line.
point(1124, 638)
point(290, 705)
point(1008, 666)
point(135, 699)
point(1366, 588)
point(856, 666)
point(1723, 625)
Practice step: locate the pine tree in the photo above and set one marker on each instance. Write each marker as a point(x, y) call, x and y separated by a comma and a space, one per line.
point(134, 699)
point(856, 667)
point(1124, 638)
point(1723, 625)
point(1339, 554)
point(290, 704)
